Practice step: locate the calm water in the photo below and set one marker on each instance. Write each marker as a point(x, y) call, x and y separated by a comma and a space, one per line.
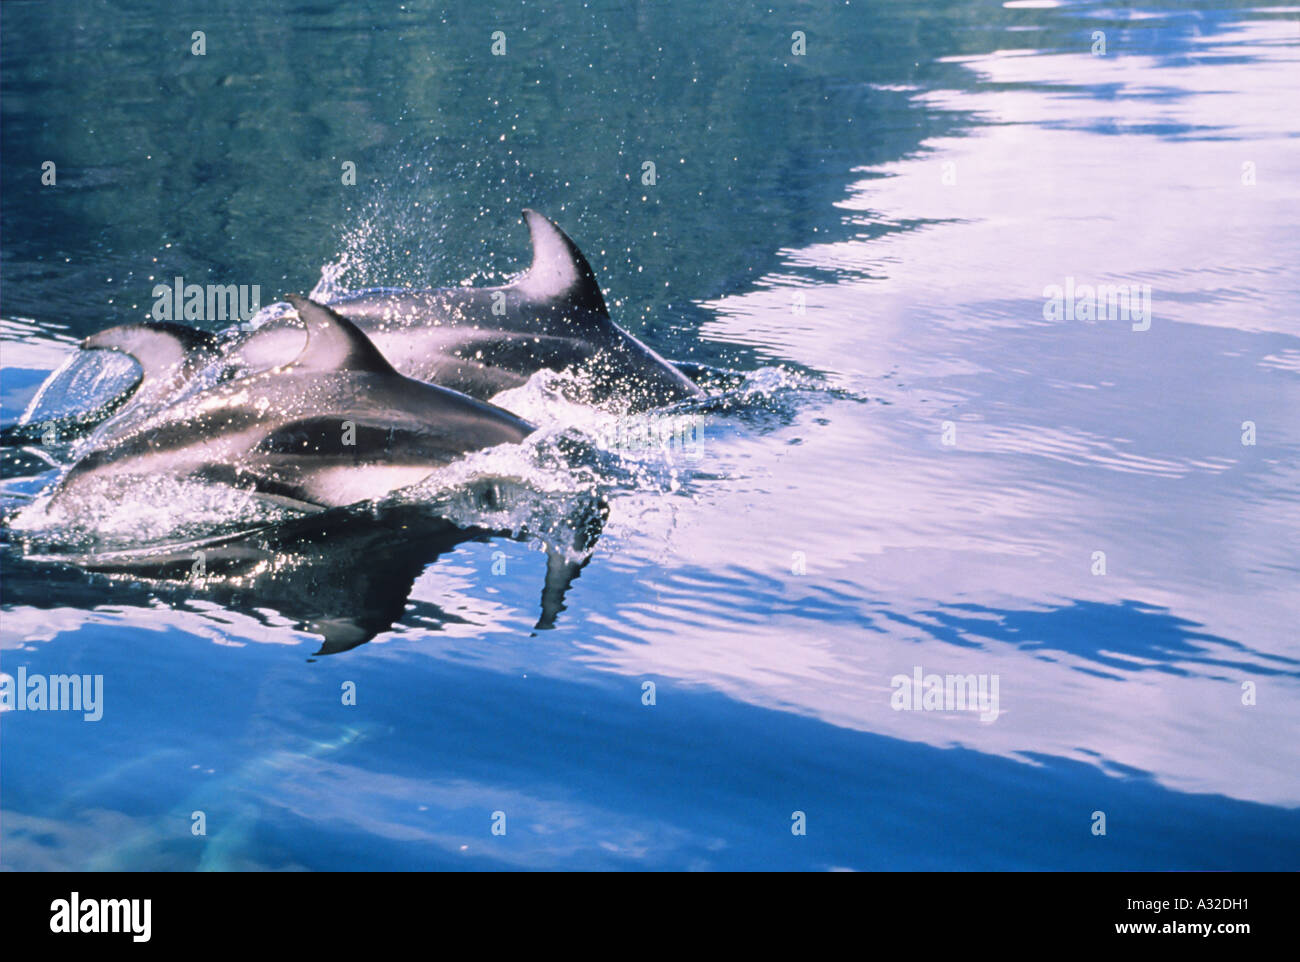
point(913, 464)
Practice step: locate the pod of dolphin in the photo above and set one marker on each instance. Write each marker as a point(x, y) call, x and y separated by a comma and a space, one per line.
point(370, 393)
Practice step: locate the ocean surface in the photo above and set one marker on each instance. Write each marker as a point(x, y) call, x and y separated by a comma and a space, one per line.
point(873, 230)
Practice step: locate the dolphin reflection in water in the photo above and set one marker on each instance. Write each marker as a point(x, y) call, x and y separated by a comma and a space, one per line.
point(344, 576)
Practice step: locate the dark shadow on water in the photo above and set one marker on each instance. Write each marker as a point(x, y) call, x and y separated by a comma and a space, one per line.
point(1128, 637)
point(1104, 634)
point(344, 575)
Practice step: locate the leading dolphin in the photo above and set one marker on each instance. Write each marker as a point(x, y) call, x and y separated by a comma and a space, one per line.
point(483, 340)
point(333, 426)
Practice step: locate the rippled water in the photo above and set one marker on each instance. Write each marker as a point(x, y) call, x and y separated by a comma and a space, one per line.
point(914, 462)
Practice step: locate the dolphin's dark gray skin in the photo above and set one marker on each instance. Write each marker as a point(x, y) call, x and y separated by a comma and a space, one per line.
point(333, 426)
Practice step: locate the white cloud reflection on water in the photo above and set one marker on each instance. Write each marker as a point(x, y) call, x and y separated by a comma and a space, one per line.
point(1073, 436)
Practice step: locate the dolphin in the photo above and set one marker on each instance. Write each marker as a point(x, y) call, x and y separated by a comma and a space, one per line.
point(333, 426)
point(169, 356)
point(476, 340)
point(483, 340)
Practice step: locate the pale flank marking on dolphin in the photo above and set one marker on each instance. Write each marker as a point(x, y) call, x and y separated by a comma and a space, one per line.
point(559, 271)
point(168, 355)
point(160, 348)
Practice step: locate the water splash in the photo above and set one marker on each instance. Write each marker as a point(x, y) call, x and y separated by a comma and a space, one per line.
point(330, 288)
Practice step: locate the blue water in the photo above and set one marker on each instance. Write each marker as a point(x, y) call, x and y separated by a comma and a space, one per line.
point(912, 465)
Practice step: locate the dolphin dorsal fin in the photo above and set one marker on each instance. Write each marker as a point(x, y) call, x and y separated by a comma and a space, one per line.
point(334, 342)
point(559, 272)
point(159, 348)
